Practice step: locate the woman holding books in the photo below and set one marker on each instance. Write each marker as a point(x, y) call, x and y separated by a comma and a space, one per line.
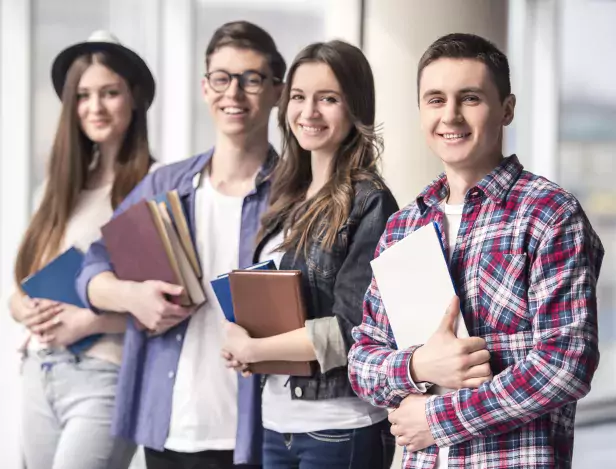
point(328, 209)
point(72, 356)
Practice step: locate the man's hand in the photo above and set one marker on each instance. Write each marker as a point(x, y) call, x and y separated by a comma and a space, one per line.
point(410, 425)
point(147, 301)
point(450, 362)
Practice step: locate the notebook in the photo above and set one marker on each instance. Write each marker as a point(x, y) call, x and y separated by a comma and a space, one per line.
point(56, 281)
point(267, 303)
point(415, 286)
point(222, 288)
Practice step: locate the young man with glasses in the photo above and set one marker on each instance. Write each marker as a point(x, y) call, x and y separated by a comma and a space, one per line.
point(175, 395)
point(525, 262)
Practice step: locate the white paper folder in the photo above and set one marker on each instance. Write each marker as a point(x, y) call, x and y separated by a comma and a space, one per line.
point(415, 286)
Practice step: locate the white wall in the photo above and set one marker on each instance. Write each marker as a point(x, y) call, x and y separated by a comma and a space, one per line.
point(14, 201)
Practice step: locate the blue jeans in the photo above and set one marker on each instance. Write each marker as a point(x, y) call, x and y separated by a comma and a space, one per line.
point(363, 448)
point(67, 408)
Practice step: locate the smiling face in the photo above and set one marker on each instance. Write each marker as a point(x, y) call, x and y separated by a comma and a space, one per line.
point(235, 112)
point(104, 104)
point(462, 115)
point(316, 113)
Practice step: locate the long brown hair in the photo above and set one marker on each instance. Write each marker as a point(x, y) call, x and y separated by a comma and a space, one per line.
point(321, 217)
point(71, 157)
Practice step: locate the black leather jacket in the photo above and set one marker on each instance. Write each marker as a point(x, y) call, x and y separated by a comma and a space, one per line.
point(335, 281)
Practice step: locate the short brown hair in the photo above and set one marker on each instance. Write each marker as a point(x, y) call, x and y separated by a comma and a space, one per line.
point(245, 35)
point(469, 46)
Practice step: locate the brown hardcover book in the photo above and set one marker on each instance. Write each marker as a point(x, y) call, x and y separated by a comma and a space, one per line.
point(139, 248)
point(267, 303)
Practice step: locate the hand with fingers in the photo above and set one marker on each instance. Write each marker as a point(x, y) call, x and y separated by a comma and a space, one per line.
point(409, 424)
point(444, 360)
point(235, 350)
point(451, 362)
point(38, 315)
point(70, 325)
point(149, 304)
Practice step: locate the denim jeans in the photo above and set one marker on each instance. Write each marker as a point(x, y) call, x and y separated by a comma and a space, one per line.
point(362, 448)
point(67, 407)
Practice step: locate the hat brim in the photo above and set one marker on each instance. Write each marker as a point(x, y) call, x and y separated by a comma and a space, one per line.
point(140, 70)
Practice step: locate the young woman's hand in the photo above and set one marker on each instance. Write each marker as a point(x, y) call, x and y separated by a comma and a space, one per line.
point(33, 312)
point(70, 325)
point(232, 362)
point(236, 349)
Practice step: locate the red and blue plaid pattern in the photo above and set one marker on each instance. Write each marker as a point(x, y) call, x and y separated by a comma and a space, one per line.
point(525, 267)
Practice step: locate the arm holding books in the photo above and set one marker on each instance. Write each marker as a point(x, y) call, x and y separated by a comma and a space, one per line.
point(100, 289)
point(62, 324)
point(241, 350)
point(558, 369)
point(146, 301)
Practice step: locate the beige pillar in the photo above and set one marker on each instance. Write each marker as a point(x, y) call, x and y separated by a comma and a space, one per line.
point(396, 35)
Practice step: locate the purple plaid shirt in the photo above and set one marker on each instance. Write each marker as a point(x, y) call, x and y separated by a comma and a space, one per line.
point(525, 266)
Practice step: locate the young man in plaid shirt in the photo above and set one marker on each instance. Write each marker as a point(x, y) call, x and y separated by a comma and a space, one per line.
point(525, 262)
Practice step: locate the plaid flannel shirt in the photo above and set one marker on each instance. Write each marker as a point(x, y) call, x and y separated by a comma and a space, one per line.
point(525, 266)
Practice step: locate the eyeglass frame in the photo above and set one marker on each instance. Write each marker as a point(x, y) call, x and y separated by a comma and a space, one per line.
point(240, 80)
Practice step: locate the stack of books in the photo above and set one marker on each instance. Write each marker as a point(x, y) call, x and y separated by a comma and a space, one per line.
point(151, 241)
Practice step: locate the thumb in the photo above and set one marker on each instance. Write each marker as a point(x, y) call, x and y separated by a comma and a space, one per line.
point(448, 323)
point(169, 289)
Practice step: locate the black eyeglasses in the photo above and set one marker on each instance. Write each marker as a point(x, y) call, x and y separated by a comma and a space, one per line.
point(250, 81)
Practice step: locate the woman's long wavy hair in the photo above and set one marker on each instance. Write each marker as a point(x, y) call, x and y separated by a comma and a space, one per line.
point(71, 157)
point(319, 218)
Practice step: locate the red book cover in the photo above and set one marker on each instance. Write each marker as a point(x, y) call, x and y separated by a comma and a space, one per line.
point(137, 248)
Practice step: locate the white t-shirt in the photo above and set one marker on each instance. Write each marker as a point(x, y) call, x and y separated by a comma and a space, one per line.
point(285, 415)
point(204, 407)
point(451, 223)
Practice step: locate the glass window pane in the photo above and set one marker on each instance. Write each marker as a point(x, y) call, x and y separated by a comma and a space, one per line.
point(587, 135)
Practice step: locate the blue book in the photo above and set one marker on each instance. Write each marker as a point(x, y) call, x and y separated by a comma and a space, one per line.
point(222, 288)
point(56, 282)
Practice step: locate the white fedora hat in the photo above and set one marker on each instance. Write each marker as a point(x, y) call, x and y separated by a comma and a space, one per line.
point(103, 41)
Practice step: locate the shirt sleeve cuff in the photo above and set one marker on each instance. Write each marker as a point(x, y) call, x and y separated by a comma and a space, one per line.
point(446, 427)
point(84, 278)
point(326, 338)
point(421, 387)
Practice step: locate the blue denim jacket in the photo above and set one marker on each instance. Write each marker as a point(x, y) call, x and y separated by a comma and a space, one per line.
point(149, 365)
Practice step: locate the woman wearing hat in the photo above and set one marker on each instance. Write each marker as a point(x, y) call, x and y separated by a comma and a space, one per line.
point(99, 155)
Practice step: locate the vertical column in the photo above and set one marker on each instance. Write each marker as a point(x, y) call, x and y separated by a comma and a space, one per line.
point(15, 149)
point(144, 37)
point(396, 34)
point(543, 105)
point(177, 80)
point(343, 21)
